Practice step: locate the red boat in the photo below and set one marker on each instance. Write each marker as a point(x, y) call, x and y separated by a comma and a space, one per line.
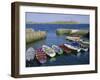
point(41, 56)
point(66, 49)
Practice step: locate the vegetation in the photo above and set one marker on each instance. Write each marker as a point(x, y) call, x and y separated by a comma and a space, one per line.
point(56, 22)
point(63, 31)
point(80, 32)
point(71, 32)
point(32, 36)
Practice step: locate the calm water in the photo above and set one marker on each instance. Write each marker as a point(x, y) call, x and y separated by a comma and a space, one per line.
point(52, 38)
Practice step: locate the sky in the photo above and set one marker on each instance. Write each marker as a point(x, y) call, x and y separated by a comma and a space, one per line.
point(52, 17)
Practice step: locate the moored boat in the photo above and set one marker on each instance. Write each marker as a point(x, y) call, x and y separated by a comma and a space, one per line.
point(49, 51)
point(65, 49)
point(30, 54)
point(73, 38)
point(84, 49)
point(41, 56)
point(57, 49)
point(73, 47)
point(84, 42)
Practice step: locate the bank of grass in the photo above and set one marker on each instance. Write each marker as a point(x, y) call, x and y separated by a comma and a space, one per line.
point(33, 36)
point(81, 32)
point(71, 32)
point(63, 31)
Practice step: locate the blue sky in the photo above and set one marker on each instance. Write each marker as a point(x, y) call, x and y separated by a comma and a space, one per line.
point(47, 17)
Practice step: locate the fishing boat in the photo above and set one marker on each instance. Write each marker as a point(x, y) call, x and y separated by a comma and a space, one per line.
point(41, 56)
point(49, 51)
point(73, 47)
point(30, 54)
point(57, 49)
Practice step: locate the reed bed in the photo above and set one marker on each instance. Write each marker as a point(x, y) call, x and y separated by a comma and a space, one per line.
point(32, 36)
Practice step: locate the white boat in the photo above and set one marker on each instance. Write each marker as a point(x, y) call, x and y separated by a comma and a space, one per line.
point(72, 47)
point(84, 42)
point(73, 38)
point(84, 49)
point(30, 54)
point(57, 49)
point(49, 51)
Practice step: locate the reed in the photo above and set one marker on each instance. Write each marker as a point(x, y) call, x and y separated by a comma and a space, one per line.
point(32, 36)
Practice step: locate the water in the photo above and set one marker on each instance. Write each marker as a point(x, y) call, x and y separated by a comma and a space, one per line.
point(52, 38)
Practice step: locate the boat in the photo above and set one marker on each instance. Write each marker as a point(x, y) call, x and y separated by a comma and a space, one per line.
point(41, 56)
point(75, 43)
point(49, 51)
point(84, 49)
point(73, 47)
point(84, 42)
point(30, 54)
point(73, 38)
point(57, 49)
point(78, 45)
point(65, 49)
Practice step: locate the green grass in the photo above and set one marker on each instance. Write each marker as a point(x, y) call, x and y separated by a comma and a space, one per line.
point(70, 32)
point(81, 32)
point(55, 22)
point(63, 31)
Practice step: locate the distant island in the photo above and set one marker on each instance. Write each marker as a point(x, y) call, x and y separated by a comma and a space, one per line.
point(56, 22)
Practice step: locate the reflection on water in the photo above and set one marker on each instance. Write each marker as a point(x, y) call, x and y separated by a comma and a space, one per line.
point(50, 40)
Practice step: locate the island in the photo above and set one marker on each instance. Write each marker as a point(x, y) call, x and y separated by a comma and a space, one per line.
point(56, 22)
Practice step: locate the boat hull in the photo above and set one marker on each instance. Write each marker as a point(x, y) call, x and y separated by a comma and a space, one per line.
point(30, 54)
point(41, 56)
point(57, 49)
point(49, 51)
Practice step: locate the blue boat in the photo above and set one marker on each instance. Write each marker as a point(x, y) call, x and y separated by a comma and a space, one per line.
point(78, 45)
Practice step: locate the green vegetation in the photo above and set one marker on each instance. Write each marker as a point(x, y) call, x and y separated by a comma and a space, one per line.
point(57, 22)
point(63, 31)
point(80, 32)
point(71, 32)
point(32, 36)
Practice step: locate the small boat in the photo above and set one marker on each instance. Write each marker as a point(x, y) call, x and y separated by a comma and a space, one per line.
point(49, 51)
point(41, 56)
point(84, 49)
point(73, 38)
point(84, 42)
point(57, 49)
point(30, 54)
point(75, 43)
point(73, 47)
point(65, 49)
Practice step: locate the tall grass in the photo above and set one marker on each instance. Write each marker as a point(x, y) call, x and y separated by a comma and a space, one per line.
point(32, 36)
